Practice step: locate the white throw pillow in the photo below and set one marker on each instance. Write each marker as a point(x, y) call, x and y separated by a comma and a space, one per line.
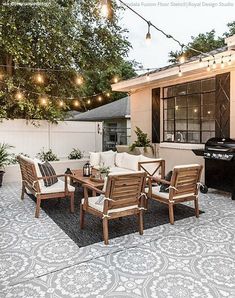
point(107, 159)
point(94, 159)
point(130, 161)
point(119, 159)
point(151, 167)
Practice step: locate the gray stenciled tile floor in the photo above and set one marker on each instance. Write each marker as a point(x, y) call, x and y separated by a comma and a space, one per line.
point(193, 258)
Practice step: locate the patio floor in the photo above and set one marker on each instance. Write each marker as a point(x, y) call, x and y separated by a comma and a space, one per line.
point(193, 258)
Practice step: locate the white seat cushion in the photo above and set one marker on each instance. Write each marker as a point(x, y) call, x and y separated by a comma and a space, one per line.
point(98, 204)
point(121, 170)
point(57, 187)
point(165, 195)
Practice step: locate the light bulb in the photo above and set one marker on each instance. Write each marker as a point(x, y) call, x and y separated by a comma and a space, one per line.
point(19, 95)
point(115, 80)
point(230, 60)
point(61, 103)
point(79, 80)
point(43, 101)
point(148, 37)
point(108, 94)
point(214, 65)
point(105, 8)
point(76, 103)
point(200, 62)
point(147, 77)
point(89, 101)
point(39, 79)
point(208, 67)
point(99, 98)
point(182, 59)
point(222, 64)
point(180, 73)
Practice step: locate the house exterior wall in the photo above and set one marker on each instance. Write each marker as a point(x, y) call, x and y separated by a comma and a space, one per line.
point(141, 115)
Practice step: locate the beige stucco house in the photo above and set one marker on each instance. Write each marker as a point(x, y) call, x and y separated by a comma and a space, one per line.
point(182, 106)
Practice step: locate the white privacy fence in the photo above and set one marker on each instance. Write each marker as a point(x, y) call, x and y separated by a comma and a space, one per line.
point(61, 137)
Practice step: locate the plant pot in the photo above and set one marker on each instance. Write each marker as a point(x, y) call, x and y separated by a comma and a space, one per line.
point(137, 151)
point(1, 177)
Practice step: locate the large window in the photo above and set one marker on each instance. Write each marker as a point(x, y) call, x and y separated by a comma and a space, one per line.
point(189, 112)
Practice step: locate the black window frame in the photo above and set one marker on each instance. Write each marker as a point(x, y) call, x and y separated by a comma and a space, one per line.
point(201, 107)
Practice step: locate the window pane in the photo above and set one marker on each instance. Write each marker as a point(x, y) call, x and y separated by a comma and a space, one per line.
point(181, 89)
point(208, 125)
point(169, 114)
point(180, 113)
point(169, 103)
point(169, 125)
point(194, 125)
point(194, 113)
point(208, 111)
point(208, 98)
point(208, 85)
point(181, 101)
point(169, 136)
point(194, 87)
point(194, 100)
point(206, 135)
point(181, 124)
point(168, 92)
point(194, 137)
point(181, 136)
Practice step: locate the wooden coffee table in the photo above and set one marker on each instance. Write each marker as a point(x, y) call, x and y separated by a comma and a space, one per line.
point(77, 176)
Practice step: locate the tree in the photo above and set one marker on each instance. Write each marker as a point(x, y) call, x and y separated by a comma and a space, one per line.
point(65, 35)
point(204, 42)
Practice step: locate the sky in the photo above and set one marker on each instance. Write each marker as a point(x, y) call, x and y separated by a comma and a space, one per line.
point(180, 18)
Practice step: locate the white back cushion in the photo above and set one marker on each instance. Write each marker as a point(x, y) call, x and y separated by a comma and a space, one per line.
point(130, 161)
point(150, 167)
point(107, 159)
point(119, 159)
point(94, 159)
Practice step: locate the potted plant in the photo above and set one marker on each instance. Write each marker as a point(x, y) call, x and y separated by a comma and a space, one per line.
point(5, 158)
point(143, 144)
point(47, 155)
point(104, 171)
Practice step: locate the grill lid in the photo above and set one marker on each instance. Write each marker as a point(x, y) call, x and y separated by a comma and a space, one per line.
point(220, 144)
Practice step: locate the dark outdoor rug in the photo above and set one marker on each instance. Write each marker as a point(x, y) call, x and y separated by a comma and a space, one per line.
point(59, 212)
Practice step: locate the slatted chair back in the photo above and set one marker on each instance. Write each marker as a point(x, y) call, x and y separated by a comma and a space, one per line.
point(124, 190)
point(184, 181)
point(153, 168)
point(28, 173)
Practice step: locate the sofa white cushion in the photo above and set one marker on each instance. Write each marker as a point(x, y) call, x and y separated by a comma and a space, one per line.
point(117, 170)
point(150, 167)
point(57, 187)
point(94, 159)
point(98, 204)
point(107, 159)
point(130, 161)
point(119, 159)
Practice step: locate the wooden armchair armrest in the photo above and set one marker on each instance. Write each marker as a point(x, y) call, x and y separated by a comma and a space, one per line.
point(93, 188)
point(52, 176)
point(56, 176)
point(160, 180)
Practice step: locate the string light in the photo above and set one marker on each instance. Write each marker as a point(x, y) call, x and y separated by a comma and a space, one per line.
point(200, 62)
point(104, 8)
point(222, 62)
point(230, 59)
point(79, 80)
point(108, 94)
point(148, 35)
point(182, 59)
point(43, 100)
point(208, 66)
point(61, 103)
point(214, 64)
point(148, 76)
point(115, 79)
point(89, 102)
point(39, 79)
point(76, 103)
point(19, 95)
point(99, 98)
point(180, 72)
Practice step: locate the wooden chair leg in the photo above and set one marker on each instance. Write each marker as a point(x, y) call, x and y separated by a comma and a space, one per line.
point(141, 222)
point(105, 231)
point(82, 215)
point(38, 207)
point(23, 191)
point(72, 202)
point(196, 207)
point(171, 213)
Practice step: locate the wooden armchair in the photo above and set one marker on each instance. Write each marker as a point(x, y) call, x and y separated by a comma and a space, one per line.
point(123, 197)
point(182, 187)
point(154, 168)
point(32, 181)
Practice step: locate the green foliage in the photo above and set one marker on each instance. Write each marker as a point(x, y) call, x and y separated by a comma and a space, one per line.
point(5, 156)
point(204, 42)
point(104, 170)
point(75, 154)
point(67, 35)
point(142, 140)
point(47, 155)
point(14, 160)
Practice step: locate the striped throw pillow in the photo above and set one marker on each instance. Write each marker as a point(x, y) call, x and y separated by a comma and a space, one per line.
point(46, 170)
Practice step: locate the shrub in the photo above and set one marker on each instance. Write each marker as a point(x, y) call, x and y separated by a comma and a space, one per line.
point(47, 155)
point(75, 154)
point(142, 140)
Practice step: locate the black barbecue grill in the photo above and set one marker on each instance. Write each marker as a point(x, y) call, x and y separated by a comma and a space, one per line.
point(219, 154)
